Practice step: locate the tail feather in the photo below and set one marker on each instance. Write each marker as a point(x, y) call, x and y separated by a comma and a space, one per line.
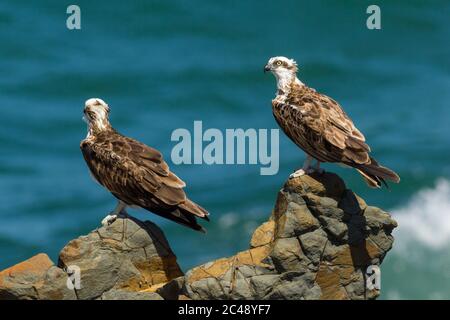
point(186, 219)
point(375, 175)
point(371, 180)
point(191, 207)
point(184, 214)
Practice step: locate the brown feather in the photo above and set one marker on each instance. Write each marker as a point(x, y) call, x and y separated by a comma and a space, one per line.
point(371, 181)
point(319, 126)
point(138, 175)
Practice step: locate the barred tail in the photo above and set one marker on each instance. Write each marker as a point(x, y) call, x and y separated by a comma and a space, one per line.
point(375, 175)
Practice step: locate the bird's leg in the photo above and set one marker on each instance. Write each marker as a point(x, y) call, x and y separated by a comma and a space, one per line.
point(318, 169)
point(124, 215)
point(118, 210)
point(123, 212)
point(304, 170)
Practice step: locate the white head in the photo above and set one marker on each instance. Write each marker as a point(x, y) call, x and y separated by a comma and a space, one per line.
point(96, 113)
point(284, 70)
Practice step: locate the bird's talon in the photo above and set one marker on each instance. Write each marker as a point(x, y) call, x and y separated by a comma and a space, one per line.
point(297, 173)
point(109, 219)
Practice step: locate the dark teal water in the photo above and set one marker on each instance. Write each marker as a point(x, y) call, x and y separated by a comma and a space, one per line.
point(163, 64)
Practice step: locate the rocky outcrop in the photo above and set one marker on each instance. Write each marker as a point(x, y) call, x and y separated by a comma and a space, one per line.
point(317, 244)
point(35, 278)
point(129, 259)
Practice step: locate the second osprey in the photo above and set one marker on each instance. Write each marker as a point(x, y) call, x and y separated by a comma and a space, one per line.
point(317, 124)
point(134, 173)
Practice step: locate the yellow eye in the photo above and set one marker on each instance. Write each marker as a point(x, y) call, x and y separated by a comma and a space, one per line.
point(278, 63)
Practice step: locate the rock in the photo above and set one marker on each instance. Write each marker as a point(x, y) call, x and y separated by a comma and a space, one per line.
point(317, 244)
point(35, 278)
point(115, 262)
point(287, 255)
point(313, 244)
point(129, 255)
point(115, 294)
point(263, 234)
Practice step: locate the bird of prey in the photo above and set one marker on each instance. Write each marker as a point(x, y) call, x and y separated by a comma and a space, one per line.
point(134, 173)
point(318, 125)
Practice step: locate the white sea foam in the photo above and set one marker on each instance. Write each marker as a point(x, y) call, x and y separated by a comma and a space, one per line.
point(426, 218)
point(228, 220)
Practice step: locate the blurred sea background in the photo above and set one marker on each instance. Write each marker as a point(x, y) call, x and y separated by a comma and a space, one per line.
point(160, 65)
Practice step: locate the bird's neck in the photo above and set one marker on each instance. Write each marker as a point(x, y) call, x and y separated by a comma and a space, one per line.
point(285, 82)
point(97, 127)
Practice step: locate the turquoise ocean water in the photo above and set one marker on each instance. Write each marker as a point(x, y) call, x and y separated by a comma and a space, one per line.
point(163, 64)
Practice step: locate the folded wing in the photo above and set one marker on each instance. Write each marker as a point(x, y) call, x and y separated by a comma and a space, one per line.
point(138, 175)
point(318, 125)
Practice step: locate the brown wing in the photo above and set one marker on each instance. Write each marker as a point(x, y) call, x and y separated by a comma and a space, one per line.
point(319, 126)
point(138, 175)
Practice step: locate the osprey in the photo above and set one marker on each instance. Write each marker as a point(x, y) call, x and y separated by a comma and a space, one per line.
point(134, 173)
point(318, 125)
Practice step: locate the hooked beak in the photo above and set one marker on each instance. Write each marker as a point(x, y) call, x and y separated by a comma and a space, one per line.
point(266, 68)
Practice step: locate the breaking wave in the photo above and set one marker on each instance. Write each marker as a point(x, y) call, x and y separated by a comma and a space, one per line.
point(426, 218)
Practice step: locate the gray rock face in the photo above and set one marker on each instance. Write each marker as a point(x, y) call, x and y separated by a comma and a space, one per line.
point(129, 259)
point(35, 278)
point(115, 294)
point(317, 244)
point(129, 255)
